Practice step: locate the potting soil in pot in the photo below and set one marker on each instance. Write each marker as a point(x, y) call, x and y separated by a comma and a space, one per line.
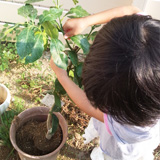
point(1, 101)
point(31, 138)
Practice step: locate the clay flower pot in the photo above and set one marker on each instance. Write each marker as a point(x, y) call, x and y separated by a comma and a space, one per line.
point(5, 98)
point(39, 114)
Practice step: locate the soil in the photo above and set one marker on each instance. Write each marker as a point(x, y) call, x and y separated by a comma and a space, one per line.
point(5, 152)
point(31, 138)
point(1, 102)
point(74, 148)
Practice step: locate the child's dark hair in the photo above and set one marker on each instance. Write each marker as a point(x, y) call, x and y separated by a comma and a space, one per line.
point(121, 74)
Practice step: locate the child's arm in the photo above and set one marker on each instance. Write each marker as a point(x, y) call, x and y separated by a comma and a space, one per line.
point(75, 93)
point(77, 25)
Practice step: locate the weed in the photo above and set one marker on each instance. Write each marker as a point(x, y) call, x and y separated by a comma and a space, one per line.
point(6, 120)
point(18, 104)
point(8, 54)
point(35, 86)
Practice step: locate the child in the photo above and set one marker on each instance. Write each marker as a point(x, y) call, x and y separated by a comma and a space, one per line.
point(121, 78)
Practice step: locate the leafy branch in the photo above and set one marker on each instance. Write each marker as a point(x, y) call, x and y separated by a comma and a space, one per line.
point(36, 37)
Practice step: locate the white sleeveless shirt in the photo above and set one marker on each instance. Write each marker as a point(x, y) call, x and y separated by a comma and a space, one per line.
point(126, 142)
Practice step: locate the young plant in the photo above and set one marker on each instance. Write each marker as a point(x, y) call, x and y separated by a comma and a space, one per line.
point(41, 32)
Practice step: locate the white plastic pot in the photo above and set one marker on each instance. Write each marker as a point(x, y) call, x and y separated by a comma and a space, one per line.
point(5, 98)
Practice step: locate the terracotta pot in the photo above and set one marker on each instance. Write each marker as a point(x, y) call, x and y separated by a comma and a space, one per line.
point(5, 98)
point(39, 114)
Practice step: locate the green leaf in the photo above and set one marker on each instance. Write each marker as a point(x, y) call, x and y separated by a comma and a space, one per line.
point(71, 73)
point(57, 46)
point(57, 101)
point(58, 87)
point(9, 38)
point(1, 36)
point(77, 79)
point(57, 105)
point(28, 11)
point(50, 15)
point(93, 35)
point(55, 123)
point(5, 25)
point(33, 14)
point(75, 1)
point(85, 45)
point(78, 11)
point(37, 50)
point(4, 29)
point(25, 42)
point(50, 29)
point(10, 29)
point(72, 16)
point(76, 39)
point(45, 38)
point(59, 57)
point(55, 24)
point(32, 1)
point(79, 69)
point(95, 26)
point(73, 57)
point(81, 42)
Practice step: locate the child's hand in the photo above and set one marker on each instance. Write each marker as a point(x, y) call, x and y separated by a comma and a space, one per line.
point(74, 26)
point(58, 71)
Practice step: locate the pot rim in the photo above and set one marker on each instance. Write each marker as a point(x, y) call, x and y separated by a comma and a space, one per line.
point(51, 153)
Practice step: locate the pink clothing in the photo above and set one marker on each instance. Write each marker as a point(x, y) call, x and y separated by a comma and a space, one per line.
point(106, 123)
point(142, 13)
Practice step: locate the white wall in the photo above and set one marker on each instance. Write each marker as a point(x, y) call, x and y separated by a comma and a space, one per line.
point(151, 7)
point(8, 8)
point(140, 4)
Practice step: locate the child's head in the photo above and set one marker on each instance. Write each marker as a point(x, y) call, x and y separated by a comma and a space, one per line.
point(121, 74)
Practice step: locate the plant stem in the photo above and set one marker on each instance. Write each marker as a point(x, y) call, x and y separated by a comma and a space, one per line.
point(57, 4)
point(69, 45)
point(49, 125)
point(90, 33)
point(63, 34)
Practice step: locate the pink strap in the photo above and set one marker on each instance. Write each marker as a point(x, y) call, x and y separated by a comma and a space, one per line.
point(106, 123)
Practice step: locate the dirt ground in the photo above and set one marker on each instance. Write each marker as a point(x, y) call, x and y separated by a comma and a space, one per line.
point(18, 77)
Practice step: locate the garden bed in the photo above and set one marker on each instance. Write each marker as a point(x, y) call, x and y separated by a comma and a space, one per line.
point(30, 83)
